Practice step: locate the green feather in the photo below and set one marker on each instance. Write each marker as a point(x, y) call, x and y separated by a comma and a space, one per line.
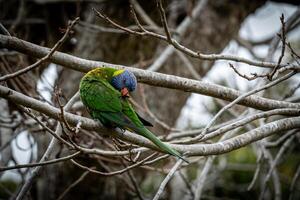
point(105, 103)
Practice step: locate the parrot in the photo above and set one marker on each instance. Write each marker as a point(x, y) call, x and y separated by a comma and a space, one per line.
point(105, 93)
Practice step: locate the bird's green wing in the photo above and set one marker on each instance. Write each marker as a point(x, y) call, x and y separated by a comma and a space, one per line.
point(144, 121)
point(100, 95)
point(125, 118)
point(106, 104)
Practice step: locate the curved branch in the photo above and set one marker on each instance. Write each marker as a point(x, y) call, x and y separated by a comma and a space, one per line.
point(191, 150)
point(176, 44)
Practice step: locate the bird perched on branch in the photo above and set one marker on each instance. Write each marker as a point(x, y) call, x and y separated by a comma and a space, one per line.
point(105, 93)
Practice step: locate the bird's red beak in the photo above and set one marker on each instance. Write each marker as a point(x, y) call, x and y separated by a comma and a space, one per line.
point(124, 92)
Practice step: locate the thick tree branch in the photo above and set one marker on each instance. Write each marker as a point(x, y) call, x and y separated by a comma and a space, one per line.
point(151, 78)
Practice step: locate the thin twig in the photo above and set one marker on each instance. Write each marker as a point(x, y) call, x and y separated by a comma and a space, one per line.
point(128, 30)
point(280, 140)
point(45, 58)
point(257, 171)
point(275, 175)
point(137, 20)
point(134, 182)
point(283, 38)
point(62, 115)
point(249, 78)
point(142, 13)
point(163, 19)
point(291, 91)
point(240, 122)
point(75, 183)
point(290, 24)
point(292, 50)
point(135, 185)
point(97, 28)
point(114, 172)
point(188, 185)
point(156, 159)
point(20, 16)
point(4, 30)
point(41, 163)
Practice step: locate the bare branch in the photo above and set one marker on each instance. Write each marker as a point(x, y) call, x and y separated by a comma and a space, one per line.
point(283, 78)
point(142, 13)
point(152, 78)
point(280, 140)
point(164, 20)
point(167, 179)
point(41, 163)
point(4, 30)
point(249, 78)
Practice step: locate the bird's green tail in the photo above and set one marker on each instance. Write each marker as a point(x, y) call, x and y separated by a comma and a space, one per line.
point(165, 147)
point(125, 123)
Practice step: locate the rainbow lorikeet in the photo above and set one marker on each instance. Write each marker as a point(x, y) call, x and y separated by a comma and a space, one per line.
point(105, 92)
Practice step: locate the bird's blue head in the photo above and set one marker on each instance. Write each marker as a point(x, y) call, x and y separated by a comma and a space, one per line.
point(124, 81)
